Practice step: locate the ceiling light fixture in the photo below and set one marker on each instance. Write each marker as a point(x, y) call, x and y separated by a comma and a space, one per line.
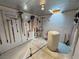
point(42, 4)
point(25, 7)
point(42, 7)
point(55, 11)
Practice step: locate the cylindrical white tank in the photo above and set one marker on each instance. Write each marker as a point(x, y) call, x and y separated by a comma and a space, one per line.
point(53, 40)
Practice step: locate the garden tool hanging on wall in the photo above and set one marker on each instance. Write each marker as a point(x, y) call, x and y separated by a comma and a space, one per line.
point(12, 30)
point(16, 23)
point(0, 40)
point(2, 15)
point(29, 24)
point(28, 29)
point(16, 26)
point(32, 21)
point(8, 25)
point(20, 16)
point(5, 32)
point(25, 27)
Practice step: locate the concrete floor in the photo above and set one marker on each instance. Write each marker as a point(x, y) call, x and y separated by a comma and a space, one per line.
point(38, 48)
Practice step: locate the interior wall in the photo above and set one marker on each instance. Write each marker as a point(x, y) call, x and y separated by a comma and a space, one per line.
point(9, 19)
point(62, 22)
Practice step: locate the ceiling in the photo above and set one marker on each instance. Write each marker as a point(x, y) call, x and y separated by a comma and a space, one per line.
point(34, 5)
